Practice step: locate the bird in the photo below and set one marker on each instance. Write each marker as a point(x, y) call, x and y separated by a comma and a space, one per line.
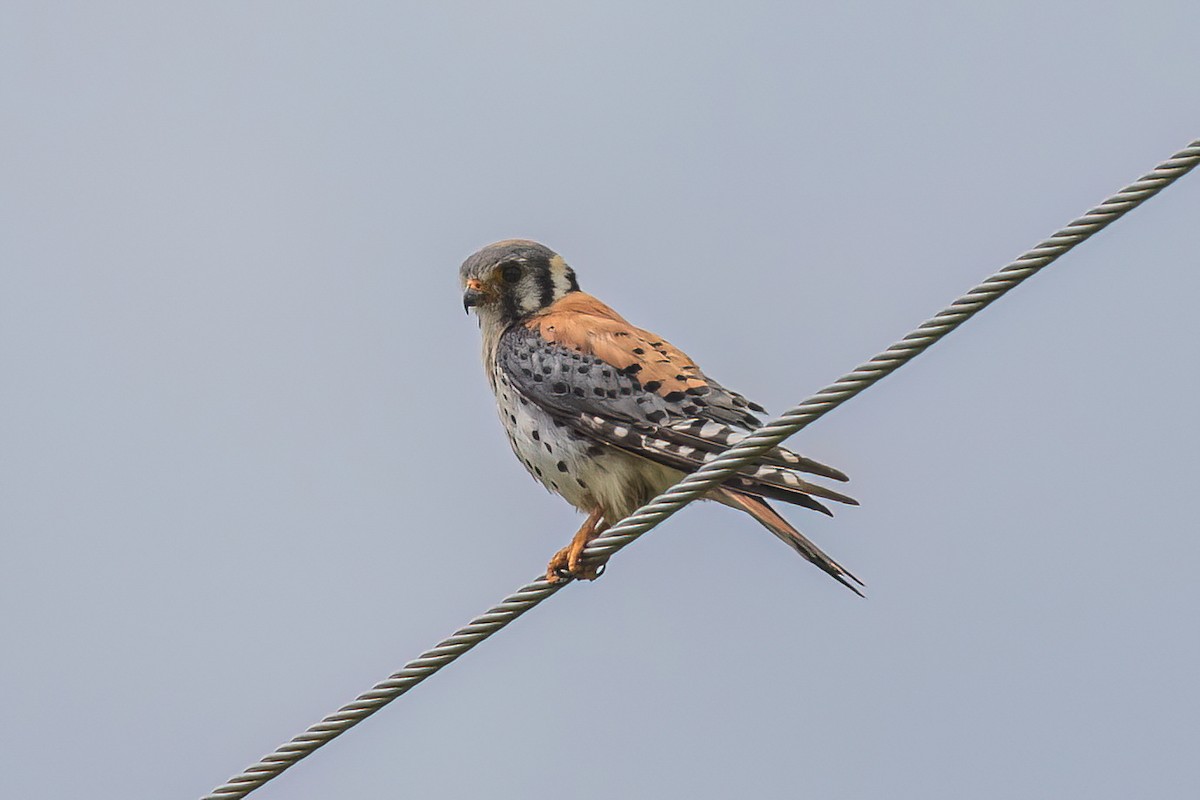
point(608, 415)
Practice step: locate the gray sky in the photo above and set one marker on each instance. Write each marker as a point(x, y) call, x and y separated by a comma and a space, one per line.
point(251, 466)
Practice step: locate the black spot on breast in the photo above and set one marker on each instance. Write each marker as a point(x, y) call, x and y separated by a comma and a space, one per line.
point(582, 485)
point(562, 466)
point(611, 394)
point(598, 392)
point(526, 372)
point(512, 418)
point(626, 391)
point(632, 369)
point(583, 369)
point(559, 388)
point(577, 391)
point(652, 386)
point(537, 377)
point(547, 369)
point(673, 397)
point(639, 351)
point(538, 470)
point(537, 437)
point(554, 485)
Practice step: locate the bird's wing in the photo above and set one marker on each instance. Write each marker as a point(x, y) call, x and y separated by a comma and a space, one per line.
point(580, 322)
point(679, 425)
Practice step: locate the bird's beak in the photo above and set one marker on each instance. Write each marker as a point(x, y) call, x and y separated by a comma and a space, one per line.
point(472, 295)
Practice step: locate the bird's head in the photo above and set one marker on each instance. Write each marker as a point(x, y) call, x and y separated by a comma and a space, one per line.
point(508, 281)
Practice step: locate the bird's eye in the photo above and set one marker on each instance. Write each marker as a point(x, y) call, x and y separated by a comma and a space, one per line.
point(510, 272)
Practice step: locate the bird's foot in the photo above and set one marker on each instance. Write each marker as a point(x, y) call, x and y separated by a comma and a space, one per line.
point(569, 562)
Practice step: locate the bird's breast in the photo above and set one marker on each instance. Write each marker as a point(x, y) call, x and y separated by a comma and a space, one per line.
point(586, 473)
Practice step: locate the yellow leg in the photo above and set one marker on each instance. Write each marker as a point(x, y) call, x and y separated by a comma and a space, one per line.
point(568, 562)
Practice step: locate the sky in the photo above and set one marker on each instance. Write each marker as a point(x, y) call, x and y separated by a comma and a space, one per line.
point(250, 464)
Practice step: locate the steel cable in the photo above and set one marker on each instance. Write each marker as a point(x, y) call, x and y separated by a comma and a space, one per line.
point(696, 484)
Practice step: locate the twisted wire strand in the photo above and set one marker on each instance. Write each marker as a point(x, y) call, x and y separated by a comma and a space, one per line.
point(698, 483)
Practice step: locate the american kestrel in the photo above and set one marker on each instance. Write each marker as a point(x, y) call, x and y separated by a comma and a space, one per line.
point(608, 415)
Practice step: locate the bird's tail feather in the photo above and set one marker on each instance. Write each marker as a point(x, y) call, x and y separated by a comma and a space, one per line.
point(770, 519)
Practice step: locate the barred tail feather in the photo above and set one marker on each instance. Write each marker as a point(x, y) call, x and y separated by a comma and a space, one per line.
point(715, 437)
point(777, 483)
point(779, 526)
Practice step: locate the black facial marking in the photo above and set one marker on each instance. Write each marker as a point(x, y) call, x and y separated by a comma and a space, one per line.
point(508, 301)
point(546, 285)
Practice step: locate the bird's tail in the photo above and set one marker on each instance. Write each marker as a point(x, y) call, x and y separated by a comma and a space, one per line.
point(770, 519)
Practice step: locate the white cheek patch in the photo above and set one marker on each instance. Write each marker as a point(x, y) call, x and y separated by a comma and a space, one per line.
point(562, 284)
point(558, 276)
point(529, 296)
